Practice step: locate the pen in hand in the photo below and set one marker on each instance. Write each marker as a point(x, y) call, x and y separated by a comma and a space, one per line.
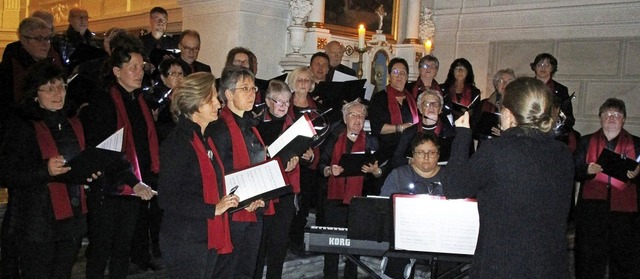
point(233, 190)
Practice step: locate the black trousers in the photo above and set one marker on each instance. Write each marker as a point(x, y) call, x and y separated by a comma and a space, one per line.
point(9, 240)
point(605, 238)
point(308, 198)
point(241, 263)
point(112, 221)
point(188, 259)
point(53, 259)
point(337, 215)
point(147, 231)
point(273, 246)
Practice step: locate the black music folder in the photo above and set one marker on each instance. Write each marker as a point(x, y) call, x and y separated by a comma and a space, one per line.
point(263, 84)
point(352, 163)
point(264, 181)
point(457, 110)
point(88, 162)
point(616, 165)
point(294, 141)
point(488, 120)
point(370, 219)
point(157, 55)
point(334, 94)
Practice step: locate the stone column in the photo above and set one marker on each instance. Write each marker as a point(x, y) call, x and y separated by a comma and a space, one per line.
point(260, 26)
point(413, 22)
point(316, 17)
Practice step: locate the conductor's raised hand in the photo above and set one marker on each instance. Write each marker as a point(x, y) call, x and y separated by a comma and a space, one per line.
point(55, 166)
point(144, 191)
point(463, 121)
point(227, 202)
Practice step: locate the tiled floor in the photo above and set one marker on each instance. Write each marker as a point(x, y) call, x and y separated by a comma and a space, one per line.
point(296, 267)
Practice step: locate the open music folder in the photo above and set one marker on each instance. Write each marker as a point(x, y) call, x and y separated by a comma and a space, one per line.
point(93, 159)
point(425, 223)
point(294, 141)
point(264, 181)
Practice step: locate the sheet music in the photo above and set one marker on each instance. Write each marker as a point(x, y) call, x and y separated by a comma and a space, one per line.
point(302, 127)
point(368, 90)
point(340, 76)
point(432, 225)
point(113, 142)
point(256, 180)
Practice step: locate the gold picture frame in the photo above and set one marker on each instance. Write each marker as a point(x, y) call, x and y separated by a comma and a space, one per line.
point(343, 17)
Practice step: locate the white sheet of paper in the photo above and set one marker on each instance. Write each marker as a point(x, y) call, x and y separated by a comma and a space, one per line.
point(113, 142)
point(302, 127)
point(340, 76)
point(368, 92)
point(441, 226)
point(255, 180)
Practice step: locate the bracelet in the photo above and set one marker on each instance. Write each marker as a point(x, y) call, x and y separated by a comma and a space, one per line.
point(397, 128)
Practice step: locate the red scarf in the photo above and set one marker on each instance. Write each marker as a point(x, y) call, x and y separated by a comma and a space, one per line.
point(218, 232)
point(418, 87)
point(129, 145)
point(345, 188)
point(241, 160)
point(551, 85)
point(394, 107)
point(623, 194)
point(463, 98)
point(58, 191)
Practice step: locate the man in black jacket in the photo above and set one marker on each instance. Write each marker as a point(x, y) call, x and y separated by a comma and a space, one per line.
point(189, 48)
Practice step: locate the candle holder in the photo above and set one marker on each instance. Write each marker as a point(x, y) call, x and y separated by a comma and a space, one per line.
point(360, 67)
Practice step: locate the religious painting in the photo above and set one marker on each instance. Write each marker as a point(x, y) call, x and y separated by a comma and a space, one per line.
point(343, 17)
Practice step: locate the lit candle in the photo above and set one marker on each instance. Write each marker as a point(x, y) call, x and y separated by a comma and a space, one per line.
point(361, 32)
point(427, 46)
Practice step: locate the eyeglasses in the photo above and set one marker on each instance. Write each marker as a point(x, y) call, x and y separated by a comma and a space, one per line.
point(543, 65)
point(303, 80)
point(459, 69)
point(428, 66)
point(614, 114)
point(354, 115)
point(398, 72)
point(505, 81)
point(190, 49)
point(247, 89)
point(82, 17)
point(159, 20)
point(280, 103)
point(423, 154)
point(243, 63)
point(176, 74)
point(53, 89)
point(431, 104)
point(39, 39)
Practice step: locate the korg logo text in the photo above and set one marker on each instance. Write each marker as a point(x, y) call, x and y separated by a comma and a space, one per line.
point(339, 241)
